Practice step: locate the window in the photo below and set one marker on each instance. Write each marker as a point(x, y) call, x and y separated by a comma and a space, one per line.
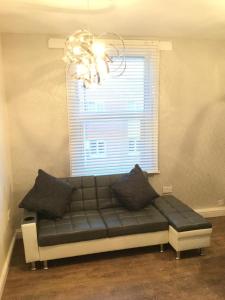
point(115, 125)
point(134, 147)
point(134, 138)
point(95, 148)
point(94, 106)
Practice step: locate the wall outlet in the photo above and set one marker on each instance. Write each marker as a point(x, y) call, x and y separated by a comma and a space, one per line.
point(220, 202)
point(167, 189)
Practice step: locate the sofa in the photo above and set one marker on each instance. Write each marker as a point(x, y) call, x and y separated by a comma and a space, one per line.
point(96, 222)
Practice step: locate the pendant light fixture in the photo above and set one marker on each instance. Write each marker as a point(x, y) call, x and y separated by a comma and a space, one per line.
point(91, 58)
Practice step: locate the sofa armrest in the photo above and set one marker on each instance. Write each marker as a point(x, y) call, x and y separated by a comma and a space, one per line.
point(29, 233)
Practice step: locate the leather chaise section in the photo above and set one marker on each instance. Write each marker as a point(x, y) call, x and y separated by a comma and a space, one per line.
point(179, 215)
point(120, 221)
point(73, 227)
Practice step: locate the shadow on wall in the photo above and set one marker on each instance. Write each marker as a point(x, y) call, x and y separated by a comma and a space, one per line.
point(49, 76)
point(40, 133)
point(200, 159)
point(48, 90)
point(195, 130)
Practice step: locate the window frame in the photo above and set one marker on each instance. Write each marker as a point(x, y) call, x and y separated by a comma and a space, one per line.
point(88, 115)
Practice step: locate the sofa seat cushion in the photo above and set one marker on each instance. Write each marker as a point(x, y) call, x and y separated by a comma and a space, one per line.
point(120, 221)
point(73, 227)
point(179, 215)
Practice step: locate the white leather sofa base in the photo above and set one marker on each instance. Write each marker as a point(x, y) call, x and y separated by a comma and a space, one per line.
point(180, 241)
point(103, 245)
point(187, 240)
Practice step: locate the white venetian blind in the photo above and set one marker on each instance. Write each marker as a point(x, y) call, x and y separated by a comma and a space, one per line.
point(115, 125)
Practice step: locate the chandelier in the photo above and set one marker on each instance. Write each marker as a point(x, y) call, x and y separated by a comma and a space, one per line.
point(91, 58)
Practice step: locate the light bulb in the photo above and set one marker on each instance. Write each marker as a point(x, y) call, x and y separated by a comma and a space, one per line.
point(76, 50)
point(98, 49)
point(71, 39)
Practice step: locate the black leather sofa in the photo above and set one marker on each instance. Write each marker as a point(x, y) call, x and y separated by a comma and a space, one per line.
point(96, 222)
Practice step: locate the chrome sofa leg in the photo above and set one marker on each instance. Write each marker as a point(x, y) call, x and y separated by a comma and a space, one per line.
point(161, 248)
point(178, 255)
point(45, 262)
point(33, 266)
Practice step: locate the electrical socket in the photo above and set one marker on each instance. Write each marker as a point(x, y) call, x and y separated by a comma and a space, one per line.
point(220, 202)
point(167, 189)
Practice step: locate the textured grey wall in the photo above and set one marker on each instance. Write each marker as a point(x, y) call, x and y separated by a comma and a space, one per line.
point(7, 225)
point(192, 122)
point(192, 111)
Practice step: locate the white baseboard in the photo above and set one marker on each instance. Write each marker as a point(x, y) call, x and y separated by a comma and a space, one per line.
point(211, 212)
point(5, 269)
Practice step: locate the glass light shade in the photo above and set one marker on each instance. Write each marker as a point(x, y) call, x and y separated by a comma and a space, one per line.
point(87, 58)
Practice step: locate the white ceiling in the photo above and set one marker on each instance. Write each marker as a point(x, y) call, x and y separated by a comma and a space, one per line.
point(137, 18)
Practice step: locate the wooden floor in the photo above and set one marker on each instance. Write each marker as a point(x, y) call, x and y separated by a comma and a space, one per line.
point(127, 275)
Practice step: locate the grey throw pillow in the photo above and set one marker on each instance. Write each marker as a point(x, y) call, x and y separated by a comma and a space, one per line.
point(133, 190)
point(49, 196)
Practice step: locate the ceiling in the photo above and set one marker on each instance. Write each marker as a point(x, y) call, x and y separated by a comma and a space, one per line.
point(136, 18)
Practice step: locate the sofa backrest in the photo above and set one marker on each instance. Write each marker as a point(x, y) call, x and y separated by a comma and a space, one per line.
point(84, 195)
point(105, 197)
point(93, 192)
